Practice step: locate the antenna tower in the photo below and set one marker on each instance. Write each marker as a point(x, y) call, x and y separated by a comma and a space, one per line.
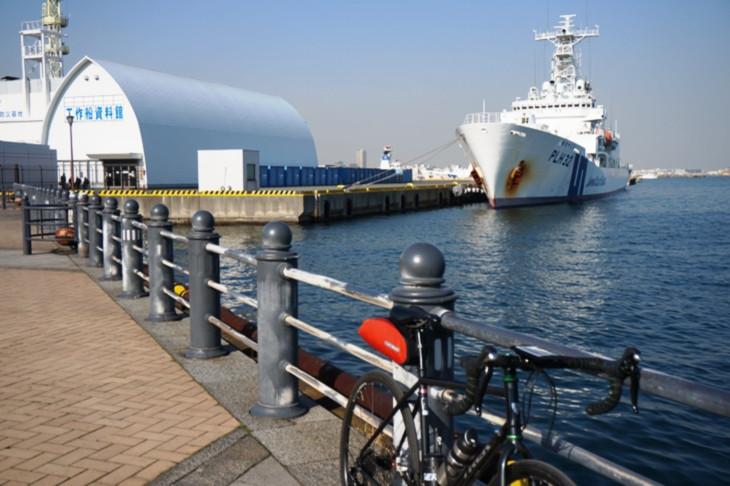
point(42, 43)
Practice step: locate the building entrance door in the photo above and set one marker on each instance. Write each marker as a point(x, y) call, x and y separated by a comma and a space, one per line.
point(121, 175)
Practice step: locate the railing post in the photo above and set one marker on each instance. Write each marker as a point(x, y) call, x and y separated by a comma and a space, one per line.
point(205, 338)
point(162, 307)
point(132, 284)
point(82, 202)
point(278, 343)
point(422, 269)
point(63, 213)
point(94, 212)
point(112, 248)
point(74, 217)
point(27, 248)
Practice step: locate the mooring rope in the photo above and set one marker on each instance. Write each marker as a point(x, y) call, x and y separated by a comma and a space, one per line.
point(433, 152)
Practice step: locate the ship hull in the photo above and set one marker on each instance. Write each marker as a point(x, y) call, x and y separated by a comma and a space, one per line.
point(523, 166)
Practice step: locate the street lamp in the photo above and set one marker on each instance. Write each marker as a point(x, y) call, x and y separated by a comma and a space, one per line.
point(70, 120)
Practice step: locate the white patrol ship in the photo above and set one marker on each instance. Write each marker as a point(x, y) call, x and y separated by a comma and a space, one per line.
point(551, 147)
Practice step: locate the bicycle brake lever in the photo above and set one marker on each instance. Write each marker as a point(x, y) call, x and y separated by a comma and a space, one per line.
point(635, 374)
point(631, 364)
point(482, 390)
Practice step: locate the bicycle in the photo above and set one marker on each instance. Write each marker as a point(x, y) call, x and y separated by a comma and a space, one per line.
point(393, 450)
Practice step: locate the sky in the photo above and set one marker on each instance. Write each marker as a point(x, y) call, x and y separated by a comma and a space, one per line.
point(369, 73)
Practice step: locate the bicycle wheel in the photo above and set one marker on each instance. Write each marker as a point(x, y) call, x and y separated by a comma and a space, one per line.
point(530, 472)
point(370, 456)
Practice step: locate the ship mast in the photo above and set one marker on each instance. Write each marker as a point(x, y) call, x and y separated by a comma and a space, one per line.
point(564, 66)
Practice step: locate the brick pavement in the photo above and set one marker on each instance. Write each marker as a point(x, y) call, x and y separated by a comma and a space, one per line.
point(86, 395)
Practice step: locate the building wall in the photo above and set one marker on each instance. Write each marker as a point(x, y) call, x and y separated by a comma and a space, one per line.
point(26, 163)
point(23, 106)
point(104, 125)
point(160, 120)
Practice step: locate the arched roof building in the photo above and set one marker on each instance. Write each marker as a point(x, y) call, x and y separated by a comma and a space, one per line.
point(144, 128)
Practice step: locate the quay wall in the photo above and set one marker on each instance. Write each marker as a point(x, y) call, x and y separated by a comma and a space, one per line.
point(297, 206)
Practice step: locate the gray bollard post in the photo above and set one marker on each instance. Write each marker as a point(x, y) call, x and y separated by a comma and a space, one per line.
point(112, 247)
point(162, 307)
point(95, 242)
point(422, 268)
point(82, 202)
point(61, 199)
point(205, 338)
point(132, 284)
point(74, 217)
point(63, 214)
point(278, 343)
point(27, 248)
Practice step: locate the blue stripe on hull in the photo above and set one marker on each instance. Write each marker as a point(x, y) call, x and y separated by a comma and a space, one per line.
point(512, 202)
point(578, 177)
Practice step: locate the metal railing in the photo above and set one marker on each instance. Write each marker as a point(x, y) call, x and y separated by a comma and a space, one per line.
point(45, 211)
point(120, 240)
point(482, 117)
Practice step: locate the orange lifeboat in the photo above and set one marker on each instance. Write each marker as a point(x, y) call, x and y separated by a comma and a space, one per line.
point(609, 137)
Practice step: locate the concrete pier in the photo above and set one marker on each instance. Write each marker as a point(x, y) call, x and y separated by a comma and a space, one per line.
point(304, 204)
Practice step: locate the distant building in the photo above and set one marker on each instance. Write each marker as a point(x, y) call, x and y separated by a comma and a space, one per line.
point(362, 158)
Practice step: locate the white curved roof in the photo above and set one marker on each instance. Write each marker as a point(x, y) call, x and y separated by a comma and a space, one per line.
point(178, 116)
point(159, 98)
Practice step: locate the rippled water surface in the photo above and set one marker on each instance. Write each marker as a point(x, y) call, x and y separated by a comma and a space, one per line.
point(649, 267)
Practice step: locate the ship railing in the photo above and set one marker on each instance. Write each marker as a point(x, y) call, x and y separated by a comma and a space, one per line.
point(483, 117)
point(275, 340)
point(33, 50)
point(31, 25)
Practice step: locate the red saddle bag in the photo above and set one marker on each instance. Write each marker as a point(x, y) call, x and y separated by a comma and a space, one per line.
point(383, 336)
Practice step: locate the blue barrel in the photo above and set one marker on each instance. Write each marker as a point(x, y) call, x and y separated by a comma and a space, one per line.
point(278, 179)
point(288, 176)
point(331, 176)
point(320, 176)
point(307, 176)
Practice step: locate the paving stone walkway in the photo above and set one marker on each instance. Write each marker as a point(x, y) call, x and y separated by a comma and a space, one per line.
point(86, 395)
point(92, 393)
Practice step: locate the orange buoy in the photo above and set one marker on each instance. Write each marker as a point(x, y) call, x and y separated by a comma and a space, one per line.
point(65, 236)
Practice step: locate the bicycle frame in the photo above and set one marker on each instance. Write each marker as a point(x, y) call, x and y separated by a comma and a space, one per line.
point(436, 461)
point(509, 435)
point(504, 444)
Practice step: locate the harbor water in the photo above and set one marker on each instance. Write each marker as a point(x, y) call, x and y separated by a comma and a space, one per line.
point(649, 267)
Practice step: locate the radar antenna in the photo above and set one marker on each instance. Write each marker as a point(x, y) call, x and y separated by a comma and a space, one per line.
point(564, 64)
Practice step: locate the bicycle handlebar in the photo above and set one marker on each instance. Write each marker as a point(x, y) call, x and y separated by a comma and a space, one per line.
point(528, 357)
point(618, 370)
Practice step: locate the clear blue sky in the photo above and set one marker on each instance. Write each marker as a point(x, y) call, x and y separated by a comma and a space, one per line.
point(364, 74)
